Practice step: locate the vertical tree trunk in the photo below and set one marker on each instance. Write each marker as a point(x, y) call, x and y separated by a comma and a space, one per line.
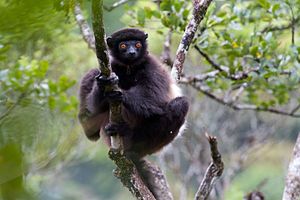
point(292, 183)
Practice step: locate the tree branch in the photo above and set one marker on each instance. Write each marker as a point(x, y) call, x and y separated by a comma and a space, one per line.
point(292, 183)
point(158, 183)
point(199, 77)
point(200, 8)
point(239, 76)
point(281, 28)
point(213, 172)
point(115, 5)
point(211, 62)
point(129, 176)
point(296, 109)
point(99, 33)
point(85, 30)
point(126, 171)
point(12, 107)
point(230, 103)
point(166, 54)
point(104, 64)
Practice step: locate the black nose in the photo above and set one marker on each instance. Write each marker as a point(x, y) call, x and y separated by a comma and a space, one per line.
point(132, 54)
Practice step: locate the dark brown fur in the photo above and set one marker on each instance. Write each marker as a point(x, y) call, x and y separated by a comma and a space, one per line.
point(152, 114)
point(153, 118)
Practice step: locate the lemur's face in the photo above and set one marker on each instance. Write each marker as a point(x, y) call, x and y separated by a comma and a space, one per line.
point(130, 49)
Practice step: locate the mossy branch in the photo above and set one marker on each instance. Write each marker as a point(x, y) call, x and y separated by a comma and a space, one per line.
point(126, 171)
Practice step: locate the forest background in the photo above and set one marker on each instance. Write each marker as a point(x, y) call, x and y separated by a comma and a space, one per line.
point(241, 74)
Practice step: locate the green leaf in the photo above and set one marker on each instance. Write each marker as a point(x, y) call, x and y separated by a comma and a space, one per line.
point(148, 12)
point(165, 21)
point(174, 20)
point(141, 17)
point(51, 102)
point(178, 6)
point(254, 50)
point(185, 14)
point(166, 5)
point(264, 3)
point(275, 7)
point(156, 13)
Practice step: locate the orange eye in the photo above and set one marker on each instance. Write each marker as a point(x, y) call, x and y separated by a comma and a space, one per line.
point(138, 45)
point(122, 46)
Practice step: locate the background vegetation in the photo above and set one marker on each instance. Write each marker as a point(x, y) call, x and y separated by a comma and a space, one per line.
point(247, 55)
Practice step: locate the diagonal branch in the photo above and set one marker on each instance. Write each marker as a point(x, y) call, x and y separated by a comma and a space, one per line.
point(85, 30)
point(295, 109)
point(199, 11)
point(238, 76)
point(129, 176)
point(115, 5)
point(213, 172)
point(211, 62)
point(281, 28)
point(13, 106)
point(205, 90)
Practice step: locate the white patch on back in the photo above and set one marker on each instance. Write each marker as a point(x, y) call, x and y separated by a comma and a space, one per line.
point(175, 91)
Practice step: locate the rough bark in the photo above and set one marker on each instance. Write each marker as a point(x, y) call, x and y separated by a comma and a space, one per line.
point(292, 183)
point(104, 64)
point(126, 171)
point(129, 176)
point(213, 172)
point(199, 11)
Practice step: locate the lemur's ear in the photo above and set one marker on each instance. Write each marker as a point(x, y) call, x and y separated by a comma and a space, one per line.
point(109, 41)
point(146, 36)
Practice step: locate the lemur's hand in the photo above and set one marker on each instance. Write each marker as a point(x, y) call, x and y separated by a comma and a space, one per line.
point(112, 95)
point(122, 129)
point(103, 81)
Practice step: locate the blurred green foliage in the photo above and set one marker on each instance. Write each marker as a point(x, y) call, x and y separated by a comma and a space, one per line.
point(42, 57)
point(264, 173)
point(240, 35)
point(26, 83)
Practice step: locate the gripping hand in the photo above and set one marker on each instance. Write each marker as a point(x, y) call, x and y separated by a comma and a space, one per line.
point(103, 81)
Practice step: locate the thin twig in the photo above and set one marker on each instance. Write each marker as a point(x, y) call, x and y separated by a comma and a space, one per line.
point(213, 172)
point(115, 5)
point(199, 11)
point(238, 94)
point(199, 77)
point(295, 109)
point(12, 107)
point(280, 28)
point(205, 90)
point(238, 76)
point(292, 22)
point(211, 62)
